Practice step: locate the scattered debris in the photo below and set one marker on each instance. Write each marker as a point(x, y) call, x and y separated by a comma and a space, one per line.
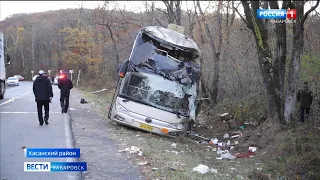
point(203, 169)
point(226, 136)
point(263, 153)
point(210, 127)
point(214, 141)
point(72, 109)
point(175, 152)
point(252, 149)
point(143, 163)
point(236, 134)
point(243, 155)
point(228, 156)
point(174, 145)
point(99, 91)
point(132, 150)
point(154, 169)
point(23, 147)
point(219, 158)
point(83, 101)
point(236, 142)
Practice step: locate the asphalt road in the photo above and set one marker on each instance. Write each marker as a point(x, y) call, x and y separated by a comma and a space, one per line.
point(20, 127)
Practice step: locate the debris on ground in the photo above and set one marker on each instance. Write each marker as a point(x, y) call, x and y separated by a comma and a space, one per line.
point(23, 147)
point(203, 169)
point(99, 91)
point(72, 109)
point(214, 141)
point(252, 149)
point(243, 155)
point(83, 101)
point(228, 156)
point(132, 150)
point(236, 134)
point(143, 163)
point(226, 136)
point(154, 169)
point(174, 145)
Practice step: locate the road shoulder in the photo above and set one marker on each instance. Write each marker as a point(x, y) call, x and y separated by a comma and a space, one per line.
point(91, 135)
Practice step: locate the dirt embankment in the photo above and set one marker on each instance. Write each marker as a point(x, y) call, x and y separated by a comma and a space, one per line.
point(155, 156)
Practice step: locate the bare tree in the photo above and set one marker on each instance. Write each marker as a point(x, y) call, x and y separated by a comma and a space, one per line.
point(297, 52)
point(215, 51)
point(272, 67)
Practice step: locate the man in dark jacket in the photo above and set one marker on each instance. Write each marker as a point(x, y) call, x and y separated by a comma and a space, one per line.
point(42, 90)
point(305, 98)
point(65, 85)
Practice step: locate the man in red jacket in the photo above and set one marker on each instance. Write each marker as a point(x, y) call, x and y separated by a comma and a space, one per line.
point(65, 85)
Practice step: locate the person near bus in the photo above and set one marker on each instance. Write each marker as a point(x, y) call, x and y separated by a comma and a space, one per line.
point(42, 90)
point(65, 85)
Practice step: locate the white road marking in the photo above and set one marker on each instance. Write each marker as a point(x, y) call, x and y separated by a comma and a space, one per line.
point(12, 99)
point(27, 112)
point(69, 141)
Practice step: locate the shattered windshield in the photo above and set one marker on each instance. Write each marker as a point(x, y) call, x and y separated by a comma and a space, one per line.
point(160, 62)
point(156, 91)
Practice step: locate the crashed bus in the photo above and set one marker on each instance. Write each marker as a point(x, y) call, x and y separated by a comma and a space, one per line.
point(158, 84)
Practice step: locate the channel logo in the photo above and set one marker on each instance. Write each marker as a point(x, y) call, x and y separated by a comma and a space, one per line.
point(37, 166)
point(55, 166)
point(276, 14)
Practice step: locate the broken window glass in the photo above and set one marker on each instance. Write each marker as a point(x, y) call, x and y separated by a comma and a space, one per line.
point(157, 91)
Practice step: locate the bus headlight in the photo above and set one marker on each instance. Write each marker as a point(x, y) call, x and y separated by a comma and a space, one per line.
point(121, 109)
point(177, 126)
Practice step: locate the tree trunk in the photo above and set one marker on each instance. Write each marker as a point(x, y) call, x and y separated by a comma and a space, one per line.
point(178, 12)
point(264, 58)
point(22, 55)
point(280, 58)
point(215, 55)
point(115, 48)
point(297, 51)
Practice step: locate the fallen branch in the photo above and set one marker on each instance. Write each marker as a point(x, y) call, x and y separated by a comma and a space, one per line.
point(99, 91)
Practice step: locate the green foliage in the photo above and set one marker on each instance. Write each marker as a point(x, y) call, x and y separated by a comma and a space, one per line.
point(310, 67)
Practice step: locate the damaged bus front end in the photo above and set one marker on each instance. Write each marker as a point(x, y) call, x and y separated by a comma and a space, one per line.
point(158, 86)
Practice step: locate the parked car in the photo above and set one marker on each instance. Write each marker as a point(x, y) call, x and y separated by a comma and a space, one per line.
point(34, 77)
point(13, 81)
point(19, 77)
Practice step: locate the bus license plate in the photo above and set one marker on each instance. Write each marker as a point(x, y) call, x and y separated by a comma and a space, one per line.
point(147, 127)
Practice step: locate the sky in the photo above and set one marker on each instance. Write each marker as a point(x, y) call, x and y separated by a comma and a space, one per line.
point(8, 8)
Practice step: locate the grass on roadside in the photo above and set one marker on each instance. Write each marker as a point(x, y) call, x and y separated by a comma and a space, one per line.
point(171, 162)
point(296, 155)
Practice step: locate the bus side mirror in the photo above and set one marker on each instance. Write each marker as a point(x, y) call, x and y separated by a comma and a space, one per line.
point(123, 68)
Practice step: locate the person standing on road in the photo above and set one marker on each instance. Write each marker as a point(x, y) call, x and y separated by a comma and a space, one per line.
point(65, 85)
point(305, 98)
point(42, 90)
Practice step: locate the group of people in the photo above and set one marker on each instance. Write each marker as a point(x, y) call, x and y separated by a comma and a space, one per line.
point(42, 89)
